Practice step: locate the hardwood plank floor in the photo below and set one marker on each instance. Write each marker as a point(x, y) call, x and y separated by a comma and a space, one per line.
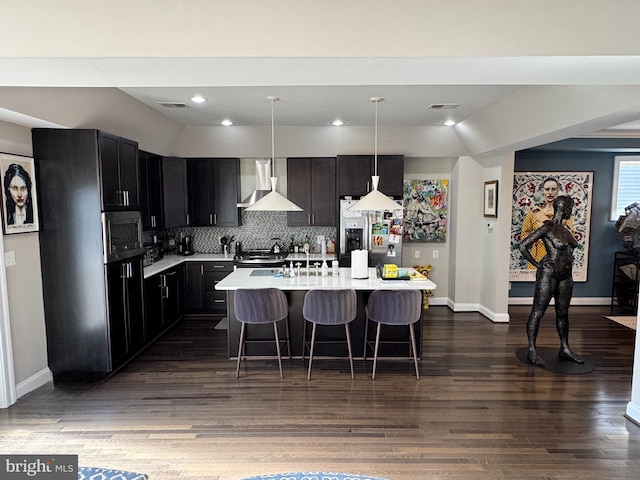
point(476, 413)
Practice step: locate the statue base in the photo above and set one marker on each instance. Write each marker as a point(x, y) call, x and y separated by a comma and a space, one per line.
point(556, 364)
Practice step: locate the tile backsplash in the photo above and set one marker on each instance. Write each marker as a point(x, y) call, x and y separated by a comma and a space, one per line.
point(256, 232)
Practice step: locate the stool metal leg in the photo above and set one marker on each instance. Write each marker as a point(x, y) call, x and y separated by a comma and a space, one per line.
point(375, 352)
point(275, 331)
point(313, 341)
point(242, 328)
point(413, 347)
point(366, 343)
point(346, 329)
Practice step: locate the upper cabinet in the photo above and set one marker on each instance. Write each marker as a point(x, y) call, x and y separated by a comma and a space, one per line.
point(120, 172)
point(311, 184)
point(213, 191)
point(174, 190)
point(355, 172)
point(151, 190)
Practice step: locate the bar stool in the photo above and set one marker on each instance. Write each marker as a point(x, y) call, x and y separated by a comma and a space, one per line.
point(328, 307)
point(393, 307)
point(261, 306)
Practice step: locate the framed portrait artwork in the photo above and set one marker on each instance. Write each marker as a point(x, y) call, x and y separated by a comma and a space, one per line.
point(533, 195)
point(490, 203)
point(19, 202)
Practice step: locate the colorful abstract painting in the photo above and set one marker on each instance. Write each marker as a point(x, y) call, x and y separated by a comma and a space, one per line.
point(425, 210)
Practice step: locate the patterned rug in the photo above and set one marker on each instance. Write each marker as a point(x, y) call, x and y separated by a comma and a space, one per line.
point(92, 473)
point(312, 476)
point(627, 321)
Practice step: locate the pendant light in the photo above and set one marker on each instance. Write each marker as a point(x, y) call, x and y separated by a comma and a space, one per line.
point(375, 199)
point(273, 201)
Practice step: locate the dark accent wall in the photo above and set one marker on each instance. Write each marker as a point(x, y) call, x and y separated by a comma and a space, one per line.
point(584, 155)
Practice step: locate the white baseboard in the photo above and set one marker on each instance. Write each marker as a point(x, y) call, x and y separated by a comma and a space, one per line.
point(633, 412)
point(35, 381)
point(574, 301)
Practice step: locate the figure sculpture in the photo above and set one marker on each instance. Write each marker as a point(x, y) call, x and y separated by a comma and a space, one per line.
point(553, 278)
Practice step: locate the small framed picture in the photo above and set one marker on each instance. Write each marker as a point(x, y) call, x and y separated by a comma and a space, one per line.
point(20, 205)
point(491, 199)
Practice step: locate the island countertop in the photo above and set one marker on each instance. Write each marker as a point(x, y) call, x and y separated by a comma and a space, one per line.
point(267, 278)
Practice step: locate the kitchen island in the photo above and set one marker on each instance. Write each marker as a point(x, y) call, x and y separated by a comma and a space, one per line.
point(295, 288)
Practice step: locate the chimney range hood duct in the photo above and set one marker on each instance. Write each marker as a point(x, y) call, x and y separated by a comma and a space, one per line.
point(263, 183)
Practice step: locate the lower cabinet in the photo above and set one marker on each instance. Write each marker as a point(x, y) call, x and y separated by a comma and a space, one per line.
point(164, 296)
point(201, 279)
point(125, 305)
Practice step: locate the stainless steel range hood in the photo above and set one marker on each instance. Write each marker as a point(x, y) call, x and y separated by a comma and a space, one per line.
point(263, 183)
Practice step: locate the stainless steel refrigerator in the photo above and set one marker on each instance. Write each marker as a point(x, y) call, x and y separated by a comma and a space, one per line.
point(380, 233)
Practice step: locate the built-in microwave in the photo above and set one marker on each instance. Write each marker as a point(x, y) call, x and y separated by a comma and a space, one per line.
point(121, 235)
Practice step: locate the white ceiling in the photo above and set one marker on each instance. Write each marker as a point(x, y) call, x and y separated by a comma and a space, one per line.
point(314, 106)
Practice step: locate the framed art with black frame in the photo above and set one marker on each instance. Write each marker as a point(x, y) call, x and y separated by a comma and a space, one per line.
point(20, 206)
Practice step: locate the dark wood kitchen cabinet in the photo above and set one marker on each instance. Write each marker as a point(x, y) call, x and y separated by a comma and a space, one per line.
point(174, 192)
point(311, 184)
point(93, 316)
point(151, 190)
point(213, 186)
point(164, 296)
point(354, 174)
point(201, 278)
point(126, 332)
point(118, 159)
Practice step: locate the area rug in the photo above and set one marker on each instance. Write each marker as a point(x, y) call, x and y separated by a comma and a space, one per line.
point(627, 321)
point(313, 476)
point(92, 473)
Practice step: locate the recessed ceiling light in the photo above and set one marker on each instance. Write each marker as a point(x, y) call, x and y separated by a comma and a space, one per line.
point(337, 123)
point(449, 123)
point(198, 99)
point(226, 123)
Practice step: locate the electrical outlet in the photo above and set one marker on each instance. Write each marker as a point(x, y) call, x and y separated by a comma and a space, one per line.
point(9, 259)
point(416, 254)
point(436, 254)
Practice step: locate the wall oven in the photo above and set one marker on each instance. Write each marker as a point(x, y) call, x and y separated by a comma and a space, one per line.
point(121, 235)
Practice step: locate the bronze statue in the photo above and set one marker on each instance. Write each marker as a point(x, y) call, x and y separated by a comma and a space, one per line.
point(553, 278)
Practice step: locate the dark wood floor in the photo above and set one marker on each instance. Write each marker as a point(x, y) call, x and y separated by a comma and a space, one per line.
point(476, 413)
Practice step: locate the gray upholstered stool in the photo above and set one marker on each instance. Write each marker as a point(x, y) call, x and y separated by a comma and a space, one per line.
point(328, 307)
point(393, 307)
point(260, 306)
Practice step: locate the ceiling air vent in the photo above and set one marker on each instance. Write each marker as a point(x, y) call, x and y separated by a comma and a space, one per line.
point(443, 106)
point(173, 105)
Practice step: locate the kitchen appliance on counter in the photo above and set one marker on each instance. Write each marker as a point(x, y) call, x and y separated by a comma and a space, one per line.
point(187, 245)
point(379, 233)
point(153, 253)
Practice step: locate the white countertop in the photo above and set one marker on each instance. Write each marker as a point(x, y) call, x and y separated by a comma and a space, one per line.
point(170, 261)
point(243, 278)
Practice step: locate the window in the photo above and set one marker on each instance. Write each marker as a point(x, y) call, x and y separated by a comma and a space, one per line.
point(626, 184)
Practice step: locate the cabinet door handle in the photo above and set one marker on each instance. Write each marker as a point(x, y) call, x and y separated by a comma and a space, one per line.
point(218, 266)
point(126, 197)
point(165, 292)
point(201, 269)
point(187, 218)
point(211, 219)
point(215, 218)
point(170, 274)
point(313, 218)
point(219, 301)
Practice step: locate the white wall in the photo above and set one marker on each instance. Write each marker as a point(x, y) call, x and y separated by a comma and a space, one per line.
point(24, 286)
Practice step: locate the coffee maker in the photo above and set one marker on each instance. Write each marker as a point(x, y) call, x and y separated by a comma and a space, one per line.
point(187, 245)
